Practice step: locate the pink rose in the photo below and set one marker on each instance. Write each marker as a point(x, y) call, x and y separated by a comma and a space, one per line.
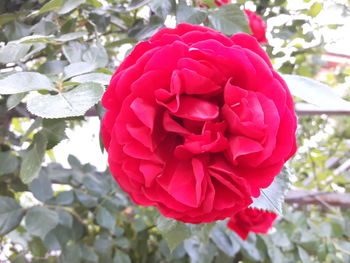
point(251, 220)
point(197, 123)
point(257, 26)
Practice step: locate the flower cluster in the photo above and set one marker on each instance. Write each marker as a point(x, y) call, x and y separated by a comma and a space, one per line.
point(197, 122)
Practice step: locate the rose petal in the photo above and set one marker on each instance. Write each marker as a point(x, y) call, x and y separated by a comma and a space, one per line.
point(196, 109)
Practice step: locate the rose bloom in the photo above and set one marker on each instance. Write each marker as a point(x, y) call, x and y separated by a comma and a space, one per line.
point(197, 123)
point(251, 220)
point(257, 26)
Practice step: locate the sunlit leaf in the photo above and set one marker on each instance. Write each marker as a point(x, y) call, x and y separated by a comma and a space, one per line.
point(315, 92)
point(66, 104)
point(23, 82)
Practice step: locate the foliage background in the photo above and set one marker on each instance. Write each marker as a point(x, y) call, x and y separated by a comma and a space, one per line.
point(54, 52)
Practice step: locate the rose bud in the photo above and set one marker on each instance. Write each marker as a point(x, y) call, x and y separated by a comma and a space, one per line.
point(251, 220)
point(257, 26)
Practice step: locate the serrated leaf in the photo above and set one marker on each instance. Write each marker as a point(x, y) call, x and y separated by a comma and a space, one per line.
point(69, 5)
point(23, 82)
point(272, 197)
point(11, 214)
point(228, 19)
point(8, 163)
point(315, 92)
point(40, 220)
point(31, 163)
point(174, 232)
point(188, 14)
point(13, 52)
point(67, 104)
point(51, 6)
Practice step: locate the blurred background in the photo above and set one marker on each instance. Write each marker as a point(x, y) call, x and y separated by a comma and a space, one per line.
point(58, 201)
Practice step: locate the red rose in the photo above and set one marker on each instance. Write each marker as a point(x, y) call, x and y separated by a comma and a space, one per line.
point(251, 220)
point(197, 122)
point(221, 2)
point(257, 26)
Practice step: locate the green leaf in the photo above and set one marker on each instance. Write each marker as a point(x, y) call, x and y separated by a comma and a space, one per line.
point(69, 5)
point(53, 67)
point(41, 187)
point(100, 78)
point(105, 219)
point(191, 15)
point(11, 215)
point(85, 199)
point(71, 254)
point(223, 242)
point(272, 197)
point(162, 8)
point(73, 51)
point(174, 232)
point(8, 163)
point(51, 6)
point(96, 55)
point(64, 198)
point(199, 252)
point(71, 36)
point(121, 257)
point(304, 256)
point(228, 19)
point(40, 220)
point(315, 92)
point(31, 163)
point(13, 52)
point(5, 18)
point(89, 254)
point(147, 31)
point(55, 131)
point(134, 4)
point(23, 82)
point(95, 3)
point(78, 68)
point(14, 99)
point(67, 104)
point(275, 254)
point(315, 9)
point(96, 186)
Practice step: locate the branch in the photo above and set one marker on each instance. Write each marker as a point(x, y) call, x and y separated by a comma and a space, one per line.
point(325, 199)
